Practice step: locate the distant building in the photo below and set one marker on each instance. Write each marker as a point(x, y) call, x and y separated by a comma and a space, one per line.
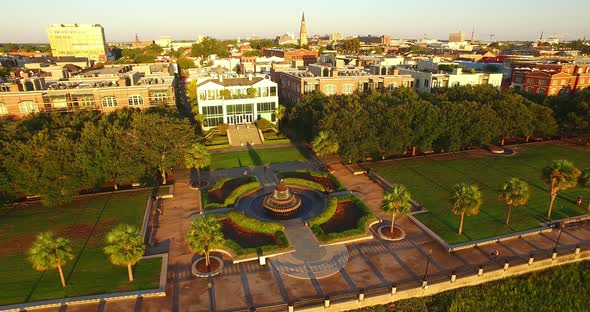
point(105, 89)
point(437, 73)
point(457, 37)
point(236, 101)
point(141, 44)
point(164, 42)
point(303, 32)
point(550, 78)
point(336, 37)
point(307, 56)
point(79, 40)
point(375, 40)
point(334, 81)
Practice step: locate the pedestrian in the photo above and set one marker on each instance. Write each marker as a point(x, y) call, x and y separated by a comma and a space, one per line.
point(579, 201)
point(245, 172)
point(495, 253)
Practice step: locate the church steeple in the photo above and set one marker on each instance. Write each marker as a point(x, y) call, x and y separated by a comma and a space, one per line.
point(303, 32)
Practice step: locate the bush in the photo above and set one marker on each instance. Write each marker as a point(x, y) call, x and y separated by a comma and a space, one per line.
point(289, 174)
point(222, 128)
point(265, 125)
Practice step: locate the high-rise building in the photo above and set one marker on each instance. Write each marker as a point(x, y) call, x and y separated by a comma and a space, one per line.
point(303, 32)
point(80, 40)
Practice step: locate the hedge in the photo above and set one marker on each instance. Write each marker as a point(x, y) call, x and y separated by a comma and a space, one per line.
point(233, 196)
point(361, 225)
point(254, 225)
point(325, 215)
point(305, 183)
point(340, 186)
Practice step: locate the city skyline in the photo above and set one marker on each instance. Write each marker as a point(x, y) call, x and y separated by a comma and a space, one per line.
point(266, 19)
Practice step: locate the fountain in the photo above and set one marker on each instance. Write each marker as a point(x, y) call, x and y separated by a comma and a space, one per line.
point(282, 202)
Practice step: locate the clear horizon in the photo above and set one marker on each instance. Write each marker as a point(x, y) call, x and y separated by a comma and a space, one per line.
point(230, 19)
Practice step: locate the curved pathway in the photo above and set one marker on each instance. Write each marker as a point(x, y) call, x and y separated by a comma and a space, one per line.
point(309, 260)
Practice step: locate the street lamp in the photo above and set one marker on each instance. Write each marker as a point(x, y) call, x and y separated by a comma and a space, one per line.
point(424, 282)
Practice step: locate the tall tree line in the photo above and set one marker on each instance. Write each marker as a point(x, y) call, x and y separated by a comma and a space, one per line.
point(57, 155)
point(379, 125)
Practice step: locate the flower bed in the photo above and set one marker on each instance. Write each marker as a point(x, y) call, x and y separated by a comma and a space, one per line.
point(323, 182)
point(345, 218)
point(247, 236)
point(225, 192)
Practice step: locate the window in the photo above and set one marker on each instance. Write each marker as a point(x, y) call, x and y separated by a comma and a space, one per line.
point(543, 81)
point(530, 80)
point(84, 101)
point(3, 109)
point(518, 79)
point(27, 107)
point(347, 89)
point(308, 88)
point(268, 107)
point(417, 83)
point(60, 102)
point(541, 91)
point(161, 97)
point(530, 90)
point(108, 101)
point(330, 89)
point(213, 115)
point(563, 81)
point(135, 100)
point(425, 83)
point(392, 86)
point(582, 81)
point(555, 82)
point(273, 91)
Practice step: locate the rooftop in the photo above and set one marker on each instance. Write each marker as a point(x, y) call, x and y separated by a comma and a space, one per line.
point(230, 82)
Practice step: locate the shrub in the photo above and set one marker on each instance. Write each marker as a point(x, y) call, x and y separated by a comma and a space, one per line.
point(222, 128)
point(251, 184)
point(265, 125)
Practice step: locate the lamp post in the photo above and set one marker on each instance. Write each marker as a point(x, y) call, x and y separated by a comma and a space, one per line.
point(424, 283)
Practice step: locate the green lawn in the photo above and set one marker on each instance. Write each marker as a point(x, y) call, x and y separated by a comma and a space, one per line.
point(255, 157)
point(85, 222)
point(563, 288)
point(431, 180)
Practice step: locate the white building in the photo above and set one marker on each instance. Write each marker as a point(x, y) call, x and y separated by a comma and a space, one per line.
point(425, 80)
point(237, 101)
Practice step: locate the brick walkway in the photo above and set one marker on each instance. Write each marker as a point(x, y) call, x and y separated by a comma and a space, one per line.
point(371, 264)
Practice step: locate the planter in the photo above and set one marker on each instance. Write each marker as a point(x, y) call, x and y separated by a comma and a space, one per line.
point(399, 234)
point(199, 269)
point(197, 186)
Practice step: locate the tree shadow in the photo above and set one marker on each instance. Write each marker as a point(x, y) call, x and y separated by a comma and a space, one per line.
point(256, 160)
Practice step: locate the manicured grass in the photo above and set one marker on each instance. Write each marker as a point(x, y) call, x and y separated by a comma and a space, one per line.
point(85, 222)
point(255, 157)
point(430, 181)
point(563, 288)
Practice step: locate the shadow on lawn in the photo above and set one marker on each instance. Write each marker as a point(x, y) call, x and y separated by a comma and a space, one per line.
point(256, 160)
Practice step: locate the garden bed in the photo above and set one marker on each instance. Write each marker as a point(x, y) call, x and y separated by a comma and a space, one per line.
point(323, 182)
point(247, 236)
point(225, 192)
point(345, 218)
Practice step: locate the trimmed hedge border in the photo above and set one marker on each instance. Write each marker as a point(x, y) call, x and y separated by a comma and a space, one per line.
point(254, 225)
point(340, 188)
point(305, 183)
point(232, 197)
point(359, 231)
point(325, 215)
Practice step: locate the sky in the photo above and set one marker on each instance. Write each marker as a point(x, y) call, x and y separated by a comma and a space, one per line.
point(187, 19)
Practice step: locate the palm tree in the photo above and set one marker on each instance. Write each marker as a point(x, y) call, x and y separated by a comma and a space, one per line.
point(197, 157)
point(514, 193)
point(49, 252)
point(204, 236)
point(325, 143)
point(125, 247)
point(465, 200)
point(585, 181)
point(281, 113)
point(560, 175)
point(397, 203)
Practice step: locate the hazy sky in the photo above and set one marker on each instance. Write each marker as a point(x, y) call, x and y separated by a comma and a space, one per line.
point(507, 19)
